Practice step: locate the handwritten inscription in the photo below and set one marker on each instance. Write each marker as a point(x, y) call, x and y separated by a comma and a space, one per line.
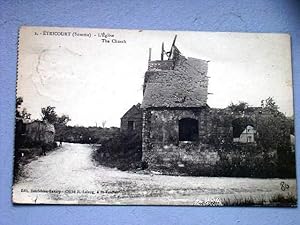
point(284, 186)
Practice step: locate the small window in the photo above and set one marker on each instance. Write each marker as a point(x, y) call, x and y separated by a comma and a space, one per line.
point(131, 125)
point(249, 139)
point(188, 129)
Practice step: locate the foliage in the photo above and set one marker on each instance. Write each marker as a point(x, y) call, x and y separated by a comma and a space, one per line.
point(21, 113)
point(240, 107)
point(19, 102)
point(247, 160)
point(270, 104)
point(103, 123)
point(123, 151)
point(60, 127)
point(25, 115)
point(63, 120)
point(59, 122)
point(49, 114)
point(274, 133)
point(89, 135)
point(272, 153)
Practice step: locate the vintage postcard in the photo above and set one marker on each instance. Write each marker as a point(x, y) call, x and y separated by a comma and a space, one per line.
point(140, 117)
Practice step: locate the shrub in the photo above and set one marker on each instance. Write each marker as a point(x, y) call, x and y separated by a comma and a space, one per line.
point(124, 152)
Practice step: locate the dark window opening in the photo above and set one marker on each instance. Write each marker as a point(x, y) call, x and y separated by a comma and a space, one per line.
point(130, 125)
point(239, 125)
point(188, 129)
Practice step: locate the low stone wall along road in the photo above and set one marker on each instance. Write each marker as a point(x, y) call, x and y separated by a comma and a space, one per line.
point(69, 176)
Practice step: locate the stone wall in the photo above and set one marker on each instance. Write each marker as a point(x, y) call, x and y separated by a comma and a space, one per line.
point(213, 154)
point(137, 123)
point(162, 149)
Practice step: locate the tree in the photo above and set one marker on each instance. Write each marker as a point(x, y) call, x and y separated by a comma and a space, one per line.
point(273, 126)
point(25, 115)
point(21, 113)
point(49, 114)
point(103, 123)
point(61, 126)
point(240, 107)
point(274, 130)
point(271, 105)
point(19, 102)
point(59, 122)
point(63, 120)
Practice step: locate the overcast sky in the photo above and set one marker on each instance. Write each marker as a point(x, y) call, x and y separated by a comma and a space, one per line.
point(92, 81)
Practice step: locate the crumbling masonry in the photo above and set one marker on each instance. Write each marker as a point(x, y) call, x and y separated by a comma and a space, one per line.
point(181, 134)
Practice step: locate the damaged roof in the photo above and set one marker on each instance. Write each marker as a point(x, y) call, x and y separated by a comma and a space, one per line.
point(184, 86)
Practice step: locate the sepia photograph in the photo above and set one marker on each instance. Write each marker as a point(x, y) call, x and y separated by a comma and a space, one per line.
point(151, 117)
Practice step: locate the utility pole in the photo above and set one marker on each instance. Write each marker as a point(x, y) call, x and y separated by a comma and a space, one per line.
point(149, 54)
point(162, 52)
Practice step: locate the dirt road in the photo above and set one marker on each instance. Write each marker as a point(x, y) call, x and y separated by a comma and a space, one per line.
point(69, 175)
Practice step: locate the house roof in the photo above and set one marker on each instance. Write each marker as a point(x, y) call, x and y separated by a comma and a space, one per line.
point(184, 86)
point(135, 109)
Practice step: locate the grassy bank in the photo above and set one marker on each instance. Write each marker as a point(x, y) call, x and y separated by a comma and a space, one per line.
point(123, 152)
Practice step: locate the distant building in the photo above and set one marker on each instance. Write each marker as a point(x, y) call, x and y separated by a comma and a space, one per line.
point(131, 121)
point(40, 131)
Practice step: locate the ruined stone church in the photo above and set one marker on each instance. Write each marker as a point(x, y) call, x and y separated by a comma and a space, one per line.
point(181, 134)
point(175, 97)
